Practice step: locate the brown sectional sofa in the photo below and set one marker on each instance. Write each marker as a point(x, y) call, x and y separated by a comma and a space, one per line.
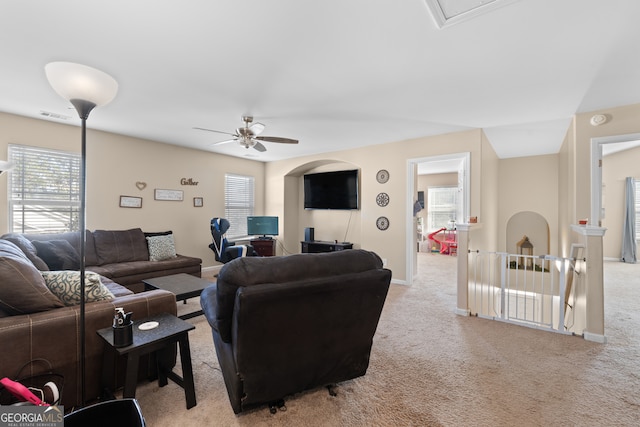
point(34, 324)
point(122, 255)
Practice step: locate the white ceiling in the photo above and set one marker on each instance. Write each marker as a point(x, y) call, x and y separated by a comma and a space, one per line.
point(334, 74)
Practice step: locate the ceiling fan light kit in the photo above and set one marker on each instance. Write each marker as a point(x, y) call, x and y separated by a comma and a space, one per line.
point(248, 136)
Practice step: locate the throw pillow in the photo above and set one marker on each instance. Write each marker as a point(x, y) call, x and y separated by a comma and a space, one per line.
point(161, 247)
point(22, 288)
point(66, 286)
point(114, 246)
point(58, 254)
point(28, 248)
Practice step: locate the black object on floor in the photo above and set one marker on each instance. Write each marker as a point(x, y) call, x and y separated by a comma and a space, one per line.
point(123, 412)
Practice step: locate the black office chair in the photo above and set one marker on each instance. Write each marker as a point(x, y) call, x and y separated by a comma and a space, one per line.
point(223, 249)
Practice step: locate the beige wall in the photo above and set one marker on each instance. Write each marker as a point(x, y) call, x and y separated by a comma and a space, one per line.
point(340, 225)
point(115, 163)
point(615, 169)
point(622, 120)
point(283, 177)
point(486, 238)
point(574, 189)
point(529, 184)
point(566, 191)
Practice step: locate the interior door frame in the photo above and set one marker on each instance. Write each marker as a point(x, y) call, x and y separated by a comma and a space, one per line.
point(412, 167)
point(595, 219)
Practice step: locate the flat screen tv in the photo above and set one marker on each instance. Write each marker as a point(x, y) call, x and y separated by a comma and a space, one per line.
point(262, 225)
point(331, 190)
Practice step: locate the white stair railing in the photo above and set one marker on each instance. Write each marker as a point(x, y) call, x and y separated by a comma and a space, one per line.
point(521, 289)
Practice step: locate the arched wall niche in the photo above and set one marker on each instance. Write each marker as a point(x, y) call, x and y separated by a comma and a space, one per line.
point(530, 224)
point(329, 225)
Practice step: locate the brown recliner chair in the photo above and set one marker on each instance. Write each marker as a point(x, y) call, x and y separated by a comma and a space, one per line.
point(282, 325)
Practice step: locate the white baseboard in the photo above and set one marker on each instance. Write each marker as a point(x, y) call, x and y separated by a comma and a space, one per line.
point(462, 312)
point(595, 337)
point(212, 270)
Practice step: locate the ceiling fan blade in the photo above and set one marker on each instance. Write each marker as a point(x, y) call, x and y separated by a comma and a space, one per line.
point(258, 146)
point(277, 139)
point(216, 131)
point(224, 142)
point(256, 128)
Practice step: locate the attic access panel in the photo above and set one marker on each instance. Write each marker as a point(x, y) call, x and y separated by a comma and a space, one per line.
point(449, 12)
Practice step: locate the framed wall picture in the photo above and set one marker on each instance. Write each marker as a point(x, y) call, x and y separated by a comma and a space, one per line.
point(171, 195)
point(198, 202)
point(130, 202)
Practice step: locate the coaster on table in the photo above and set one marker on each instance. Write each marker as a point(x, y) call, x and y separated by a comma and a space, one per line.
point(148, 325)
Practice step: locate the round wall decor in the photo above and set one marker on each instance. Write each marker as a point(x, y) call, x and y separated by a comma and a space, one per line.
point(382, 176)
point(382, 199)
point(382, 223)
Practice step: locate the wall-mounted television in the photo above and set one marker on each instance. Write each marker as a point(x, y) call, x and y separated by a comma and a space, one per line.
point(262, 226)
point(331, 190)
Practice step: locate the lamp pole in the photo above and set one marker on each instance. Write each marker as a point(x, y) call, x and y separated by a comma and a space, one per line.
point(85, 88)
point(83, 108)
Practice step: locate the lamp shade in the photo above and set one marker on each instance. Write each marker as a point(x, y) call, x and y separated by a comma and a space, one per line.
point(5, 166)
point(79, 82)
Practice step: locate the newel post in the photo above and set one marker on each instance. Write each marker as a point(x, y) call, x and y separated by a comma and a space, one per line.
point(594, 281)
point(462, 235)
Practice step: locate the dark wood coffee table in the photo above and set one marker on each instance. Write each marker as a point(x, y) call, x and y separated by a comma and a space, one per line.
point(183, 285)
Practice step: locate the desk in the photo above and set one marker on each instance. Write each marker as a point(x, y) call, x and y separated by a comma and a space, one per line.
point(264, 247)
point(170, 330)
point(315, 246)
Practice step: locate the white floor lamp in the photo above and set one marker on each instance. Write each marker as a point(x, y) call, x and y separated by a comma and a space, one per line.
point(86, 88)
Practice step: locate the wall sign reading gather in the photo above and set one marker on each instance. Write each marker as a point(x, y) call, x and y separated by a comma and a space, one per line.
point(189, 181)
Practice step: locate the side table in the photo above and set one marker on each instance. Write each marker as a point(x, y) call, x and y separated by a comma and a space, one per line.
point(170, 329)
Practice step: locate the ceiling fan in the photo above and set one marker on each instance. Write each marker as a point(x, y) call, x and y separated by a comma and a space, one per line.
point(247, 136)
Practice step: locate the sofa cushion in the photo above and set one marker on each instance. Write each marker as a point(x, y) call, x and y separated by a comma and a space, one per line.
point(66, 286)
point(251, 271)
point(161, 247)
point(115, 288)
point(152, 269)
point(114, 246)
point(28, 248)
point(22, 289)
point(58, 254)
point(73, 237)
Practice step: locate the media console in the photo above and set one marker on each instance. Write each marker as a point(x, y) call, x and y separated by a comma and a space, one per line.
point(315, 246)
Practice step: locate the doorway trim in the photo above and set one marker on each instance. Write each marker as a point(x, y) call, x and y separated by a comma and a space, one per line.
point(412, 167)
point(595, 218)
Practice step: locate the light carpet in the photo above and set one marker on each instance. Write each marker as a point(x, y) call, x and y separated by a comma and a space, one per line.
point(431, 367)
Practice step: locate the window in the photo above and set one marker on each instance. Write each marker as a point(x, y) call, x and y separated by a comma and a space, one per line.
point(44, 190)
point(442, 204)
point(238, 203)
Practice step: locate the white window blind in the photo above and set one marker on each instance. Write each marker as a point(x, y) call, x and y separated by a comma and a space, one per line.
point(441, 206)
point(238, 203)
point(44, 190)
